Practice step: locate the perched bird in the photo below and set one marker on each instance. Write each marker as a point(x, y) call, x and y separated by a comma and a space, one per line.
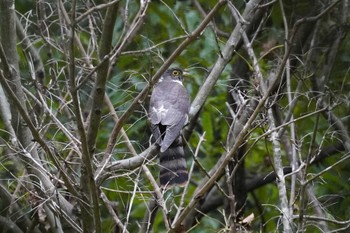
point(168, 113)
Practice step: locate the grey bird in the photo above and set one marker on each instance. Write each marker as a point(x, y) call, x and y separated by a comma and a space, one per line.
point(168, 113)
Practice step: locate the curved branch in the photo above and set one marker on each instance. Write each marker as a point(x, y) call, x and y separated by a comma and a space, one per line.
point(128, 164)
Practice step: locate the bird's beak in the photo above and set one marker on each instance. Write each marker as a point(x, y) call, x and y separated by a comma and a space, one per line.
point(185, 74)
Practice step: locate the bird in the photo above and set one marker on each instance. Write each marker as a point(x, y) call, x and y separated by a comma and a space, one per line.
point(168, 113)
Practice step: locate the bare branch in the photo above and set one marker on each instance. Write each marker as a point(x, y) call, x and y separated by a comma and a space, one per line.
point(112, 213)
point(93, 9)
point(88, 185)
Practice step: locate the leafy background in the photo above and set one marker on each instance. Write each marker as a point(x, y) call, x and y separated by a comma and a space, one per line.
point(165, 25)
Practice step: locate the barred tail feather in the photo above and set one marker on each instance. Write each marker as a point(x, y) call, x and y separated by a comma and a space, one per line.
point(173, 169)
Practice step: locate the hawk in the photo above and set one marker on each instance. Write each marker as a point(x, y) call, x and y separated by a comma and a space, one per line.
point(168, 112)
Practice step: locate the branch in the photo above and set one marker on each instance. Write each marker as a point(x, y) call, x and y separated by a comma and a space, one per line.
point(212, 23)
point(128, 164)
point(87, 184)
point(213, 200)
point(158, 194)
point(31, 53)
point(111, 211)
point(93, 9)
point(324, 219)
point(185, 191)
point(11, 208)
point(135, 52)
point(102, 76)
point(316, 17)
point(223, 60)
point(5, 114)
point(7, 225)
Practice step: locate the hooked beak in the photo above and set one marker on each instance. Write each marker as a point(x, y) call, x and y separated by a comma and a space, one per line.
point(185, 74)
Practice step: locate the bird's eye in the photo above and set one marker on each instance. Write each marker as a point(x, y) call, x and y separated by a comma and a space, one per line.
point(176, 73)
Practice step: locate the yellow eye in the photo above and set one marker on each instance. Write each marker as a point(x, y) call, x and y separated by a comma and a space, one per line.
point(176, 73)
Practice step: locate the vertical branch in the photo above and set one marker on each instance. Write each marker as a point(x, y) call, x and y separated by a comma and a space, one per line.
point(31, 52)
point(276, 146)
point(307, 194)
point(91, 221)
point(5, 114)
point(158, 201)
point(124, 40)
point(281, 182)
point(102, 76)
point(293, 160)
point(277, 155)
point(231, 199)
point(111, 211)
point(8, 38)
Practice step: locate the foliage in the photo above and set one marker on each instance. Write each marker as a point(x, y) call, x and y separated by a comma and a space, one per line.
point(269, 136)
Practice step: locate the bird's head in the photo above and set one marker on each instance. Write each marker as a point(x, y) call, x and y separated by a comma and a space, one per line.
point(175, 74)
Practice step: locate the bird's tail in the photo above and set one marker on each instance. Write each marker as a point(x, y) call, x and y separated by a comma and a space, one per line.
point(173, 169)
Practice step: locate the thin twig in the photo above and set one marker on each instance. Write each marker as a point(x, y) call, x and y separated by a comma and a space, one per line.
point(93, 9)
point(112, 212)
point(135, 52)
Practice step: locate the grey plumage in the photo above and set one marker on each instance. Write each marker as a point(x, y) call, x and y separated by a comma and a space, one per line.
point(168, 112)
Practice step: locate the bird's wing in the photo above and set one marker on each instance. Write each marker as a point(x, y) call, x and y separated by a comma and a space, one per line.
point(169, 106)
point(171, 134)
point(157, 106)
point(178, 106)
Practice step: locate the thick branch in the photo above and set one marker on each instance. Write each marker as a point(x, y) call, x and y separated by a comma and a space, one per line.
point(129, 164)
point(91, 221)
point(102, 76)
